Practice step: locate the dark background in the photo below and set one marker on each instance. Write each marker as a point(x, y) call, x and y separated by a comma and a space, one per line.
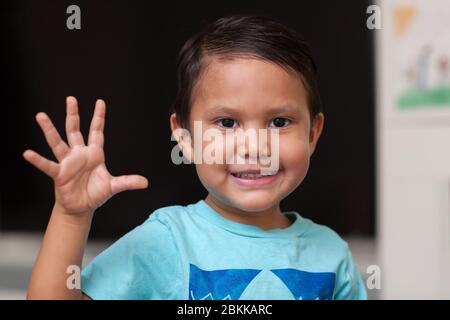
point(125, 53)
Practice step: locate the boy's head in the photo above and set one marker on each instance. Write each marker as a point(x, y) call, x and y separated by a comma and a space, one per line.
point(249, 72)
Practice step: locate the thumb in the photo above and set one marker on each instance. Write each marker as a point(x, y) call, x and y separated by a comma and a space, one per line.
point(128, 182)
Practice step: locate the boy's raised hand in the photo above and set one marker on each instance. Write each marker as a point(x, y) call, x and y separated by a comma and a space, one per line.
point(82, 181)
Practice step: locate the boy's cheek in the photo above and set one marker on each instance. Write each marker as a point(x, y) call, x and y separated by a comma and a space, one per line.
point(212, 174)
point(294, 148)
point(294, 156)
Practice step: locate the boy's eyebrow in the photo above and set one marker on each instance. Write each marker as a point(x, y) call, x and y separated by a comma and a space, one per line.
point(283, 108)
point(235, 111)
point(222, 109)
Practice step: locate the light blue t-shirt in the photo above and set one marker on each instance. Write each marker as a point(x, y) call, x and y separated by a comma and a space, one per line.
point(192, 252)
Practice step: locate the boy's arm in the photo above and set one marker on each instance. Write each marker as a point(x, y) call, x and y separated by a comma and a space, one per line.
point(62, 246)
point(82, 184)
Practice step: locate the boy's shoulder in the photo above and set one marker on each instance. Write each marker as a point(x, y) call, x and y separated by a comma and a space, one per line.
point(323, 235)
point(169, 214)
point(315, 229)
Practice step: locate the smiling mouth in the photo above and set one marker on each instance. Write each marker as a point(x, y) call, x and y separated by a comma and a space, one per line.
point(254, 179)
point(245, 175)
point(254, 174)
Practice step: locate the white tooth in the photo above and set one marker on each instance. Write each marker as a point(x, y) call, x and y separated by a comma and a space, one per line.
point(244, 175)
point(251, 175)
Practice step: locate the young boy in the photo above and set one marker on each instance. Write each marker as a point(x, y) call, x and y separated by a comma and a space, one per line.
point(239, 73)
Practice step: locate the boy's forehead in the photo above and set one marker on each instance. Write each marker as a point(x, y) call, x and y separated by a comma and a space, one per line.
point(244, 82)
point(247, 68)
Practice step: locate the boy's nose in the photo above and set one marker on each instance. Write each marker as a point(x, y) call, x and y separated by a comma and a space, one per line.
point(255, 146)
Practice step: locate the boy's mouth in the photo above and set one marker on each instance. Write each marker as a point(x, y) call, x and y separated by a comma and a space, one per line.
point(254, 178)
point(250, 175)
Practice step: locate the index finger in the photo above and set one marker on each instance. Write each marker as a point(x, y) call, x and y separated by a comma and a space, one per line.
point(58, 146)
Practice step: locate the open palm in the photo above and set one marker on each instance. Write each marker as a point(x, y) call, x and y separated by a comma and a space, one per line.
point(82, 181)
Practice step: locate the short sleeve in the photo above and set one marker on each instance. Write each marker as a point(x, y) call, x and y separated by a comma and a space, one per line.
point(350, 285)
point(143, 264)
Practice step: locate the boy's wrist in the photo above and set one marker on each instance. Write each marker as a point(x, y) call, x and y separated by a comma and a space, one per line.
point(77, 219)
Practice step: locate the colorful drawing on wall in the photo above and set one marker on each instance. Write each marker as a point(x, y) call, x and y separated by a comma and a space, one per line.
point(422, 93)
point(416, 48)
point(427, 76)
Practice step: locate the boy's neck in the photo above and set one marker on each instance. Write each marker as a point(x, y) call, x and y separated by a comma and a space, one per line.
point(271, 218)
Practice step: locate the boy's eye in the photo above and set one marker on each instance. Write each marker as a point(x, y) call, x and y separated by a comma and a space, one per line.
point(227, 123)
point(279, 122)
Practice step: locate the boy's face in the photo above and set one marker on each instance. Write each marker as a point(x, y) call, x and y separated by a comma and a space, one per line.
point(254, 94)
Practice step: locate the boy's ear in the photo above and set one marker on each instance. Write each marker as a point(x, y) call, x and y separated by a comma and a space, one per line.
point(182, 137)
point(174, 122)
point(316, 131)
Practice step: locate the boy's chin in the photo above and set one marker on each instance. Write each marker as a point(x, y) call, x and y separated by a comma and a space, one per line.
point(255, 204)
